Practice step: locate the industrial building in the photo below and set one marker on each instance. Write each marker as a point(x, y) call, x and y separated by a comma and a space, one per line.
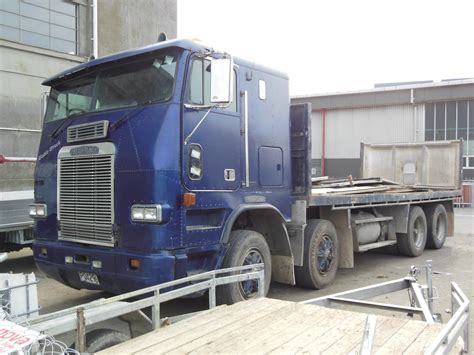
point(414, 112)
point(39, 38)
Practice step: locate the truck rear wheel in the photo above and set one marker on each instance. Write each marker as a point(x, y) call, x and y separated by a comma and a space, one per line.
point(321, 255)
point(246, 247)
point(413, 242)
point(437, 220)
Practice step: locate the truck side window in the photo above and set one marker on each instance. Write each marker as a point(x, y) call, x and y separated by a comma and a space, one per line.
point(199, 84)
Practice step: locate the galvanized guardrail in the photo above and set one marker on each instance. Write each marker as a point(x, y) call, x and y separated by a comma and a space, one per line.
point(457, 326)
point(421, 304)
point(79, 317)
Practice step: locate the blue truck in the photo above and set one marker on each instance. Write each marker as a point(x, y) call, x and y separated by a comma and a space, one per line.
point(165, 161)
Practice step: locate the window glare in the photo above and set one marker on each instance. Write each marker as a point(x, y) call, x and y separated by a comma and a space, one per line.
point(134, 83)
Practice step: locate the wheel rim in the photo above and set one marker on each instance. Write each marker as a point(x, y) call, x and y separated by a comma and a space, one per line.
point(419, 232)
point(325, 255)
point(440, 227)
point(249, 288)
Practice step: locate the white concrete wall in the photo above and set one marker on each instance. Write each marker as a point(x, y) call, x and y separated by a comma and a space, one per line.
point(22, 70)
point(126, 24)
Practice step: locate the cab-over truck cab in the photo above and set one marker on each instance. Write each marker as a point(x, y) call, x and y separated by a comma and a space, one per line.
point(157, 163)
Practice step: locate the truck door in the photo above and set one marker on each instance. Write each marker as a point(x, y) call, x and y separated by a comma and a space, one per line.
point(211, 136)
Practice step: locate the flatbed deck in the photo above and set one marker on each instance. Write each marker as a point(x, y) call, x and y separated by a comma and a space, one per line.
point(349, 199)
point(274, 326)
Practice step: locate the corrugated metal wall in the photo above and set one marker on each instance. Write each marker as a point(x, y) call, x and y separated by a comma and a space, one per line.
point(347, 128)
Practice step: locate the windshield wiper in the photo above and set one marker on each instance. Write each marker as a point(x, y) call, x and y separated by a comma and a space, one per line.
point(129, 114)
point(63, 125)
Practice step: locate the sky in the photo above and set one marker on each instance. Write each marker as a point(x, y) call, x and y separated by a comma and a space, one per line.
point(334, 46)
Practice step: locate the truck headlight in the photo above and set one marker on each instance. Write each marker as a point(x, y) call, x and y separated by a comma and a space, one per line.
point(38, 210)
point(146, 213)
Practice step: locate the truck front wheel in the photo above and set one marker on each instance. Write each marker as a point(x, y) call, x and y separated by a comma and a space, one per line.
point(413, 242)
point(246, 247)
point(321, 255)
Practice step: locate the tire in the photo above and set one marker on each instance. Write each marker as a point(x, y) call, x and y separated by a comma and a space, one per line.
point(246, 247)
point(437, 220)
point(321, 255)
point(100, 339)
point(413, 243)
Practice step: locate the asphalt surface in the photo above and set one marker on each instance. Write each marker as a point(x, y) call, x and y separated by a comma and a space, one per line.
point(453, 263)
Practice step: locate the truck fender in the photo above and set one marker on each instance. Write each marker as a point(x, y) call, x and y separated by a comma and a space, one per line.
point(267, 220)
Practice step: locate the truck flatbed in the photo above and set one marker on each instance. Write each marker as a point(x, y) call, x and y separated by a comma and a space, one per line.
point(349, 198)
point(273, 326)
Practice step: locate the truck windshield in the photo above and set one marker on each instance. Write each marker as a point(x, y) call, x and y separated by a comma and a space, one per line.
point(135, 83)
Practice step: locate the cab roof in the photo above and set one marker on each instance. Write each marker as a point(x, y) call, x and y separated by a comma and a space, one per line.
point(177, 43)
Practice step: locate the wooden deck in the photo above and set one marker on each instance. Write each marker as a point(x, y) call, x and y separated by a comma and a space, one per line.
point(281, 327)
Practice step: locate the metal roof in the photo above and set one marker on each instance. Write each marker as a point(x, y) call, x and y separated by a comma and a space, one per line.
point(392, 95)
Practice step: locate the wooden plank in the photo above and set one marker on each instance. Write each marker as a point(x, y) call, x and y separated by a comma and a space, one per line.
point(379, 328)
point(402, 338)
point(271, 334)
point(349, 340)
point(424, 340)
point(330, 339)
point(349, 190)
point(317, 331)
point(253, 316)
point(239, 338)
point(348, 182)
point(385, 330)
point(177, 329)
point(208, 329)
point(319, 178)
point(319, 317)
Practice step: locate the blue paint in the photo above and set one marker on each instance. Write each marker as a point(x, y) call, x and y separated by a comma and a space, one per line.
point(151, 167)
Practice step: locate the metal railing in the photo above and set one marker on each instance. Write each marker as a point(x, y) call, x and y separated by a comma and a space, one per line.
point(29, 307)
point(78, 317)
point(457, 326)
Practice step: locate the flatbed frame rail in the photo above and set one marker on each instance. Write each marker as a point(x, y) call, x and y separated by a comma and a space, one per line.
point(79, 317)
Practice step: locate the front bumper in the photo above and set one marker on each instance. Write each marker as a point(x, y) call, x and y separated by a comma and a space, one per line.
point(115, 276)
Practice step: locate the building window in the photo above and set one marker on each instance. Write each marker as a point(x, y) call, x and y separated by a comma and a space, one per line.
point(50, 24)
point(452, 120)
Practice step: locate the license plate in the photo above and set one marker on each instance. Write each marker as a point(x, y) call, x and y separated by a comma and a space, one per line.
point(89, 278)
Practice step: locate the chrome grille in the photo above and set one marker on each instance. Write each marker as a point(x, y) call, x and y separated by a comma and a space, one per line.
point(85, 195)
point(87, 131)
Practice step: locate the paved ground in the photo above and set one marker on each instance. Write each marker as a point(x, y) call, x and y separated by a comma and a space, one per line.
point(455, 262)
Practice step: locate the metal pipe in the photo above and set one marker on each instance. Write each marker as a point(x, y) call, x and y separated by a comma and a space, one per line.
point(95, 31)
point(246, 139)
point(323, 151)
point(4, 159)
point(429, 281)
point(20, 129)
point(369, 334)
point(212, 292)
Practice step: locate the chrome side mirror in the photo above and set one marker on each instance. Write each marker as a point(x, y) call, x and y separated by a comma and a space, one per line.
point(222, 81)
